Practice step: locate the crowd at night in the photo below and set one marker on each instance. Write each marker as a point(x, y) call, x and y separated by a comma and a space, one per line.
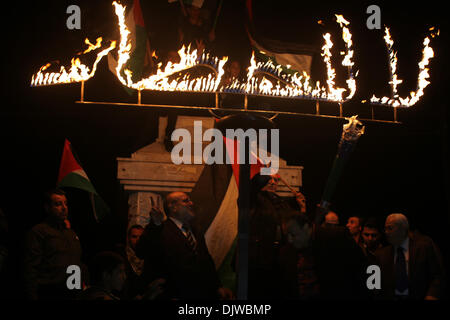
point(366, 222)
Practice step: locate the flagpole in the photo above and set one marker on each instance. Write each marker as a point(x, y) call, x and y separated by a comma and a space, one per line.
point(82, 91)
point(217, 15)
point(243, 121)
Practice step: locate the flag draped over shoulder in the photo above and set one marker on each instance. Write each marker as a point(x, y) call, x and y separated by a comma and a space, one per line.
point(140, 56)
point(71, 174)
point(297, 56)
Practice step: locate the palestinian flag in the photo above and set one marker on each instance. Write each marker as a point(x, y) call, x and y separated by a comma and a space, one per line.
point(232, 148)
point(215, 198)
point(71, 174)
point(141, 56)
point(293, 57)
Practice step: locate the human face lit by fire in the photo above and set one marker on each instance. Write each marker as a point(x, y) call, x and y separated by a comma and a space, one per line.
point(134, 236)
point(353, 225)
point(272, 185)
point(371, 237)
point(395, 232)
point(58, 207)
point(181, 207)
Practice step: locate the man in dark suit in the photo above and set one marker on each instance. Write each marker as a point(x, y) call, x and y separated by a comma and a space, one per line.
point(173, 250)
point(411, 266)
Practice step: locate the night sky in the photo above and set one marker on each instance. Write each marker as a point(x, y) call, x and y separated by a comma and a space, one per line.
point(394, 168)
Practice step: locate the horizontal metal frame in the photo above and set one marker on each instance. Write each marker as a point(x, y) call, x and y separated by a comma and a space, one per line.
point(246, 108)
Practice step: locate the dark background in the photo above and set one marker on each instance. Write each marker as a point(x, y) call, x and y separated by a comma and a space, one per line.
point(394, 168)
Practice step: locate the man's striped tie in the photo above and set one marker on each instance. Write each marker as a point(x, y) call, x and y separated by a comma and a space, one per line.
point(190, 238)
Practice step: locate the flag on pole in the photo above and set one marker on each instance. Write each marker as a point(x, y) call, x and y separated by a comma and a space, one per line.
point(232, 147)
point(140, 56)
point(215, 199)
point(71, 174)
point(293, 57)
point(215, 196)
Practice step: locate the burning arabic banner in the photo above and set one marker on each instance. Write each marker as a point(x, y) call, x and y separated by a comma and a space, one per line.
point(263, 78)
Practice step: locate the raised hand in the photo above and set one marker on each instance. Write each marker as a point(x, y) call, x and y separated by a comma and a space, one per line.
point(156, 214)
point(301, 200)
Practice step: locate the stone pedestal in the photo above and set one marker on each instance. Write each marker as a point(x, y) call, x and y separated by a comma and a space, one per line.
point(150, 173)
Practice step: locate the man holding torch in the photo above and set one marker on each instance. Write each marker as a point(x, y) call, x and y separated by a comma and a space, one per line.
point(350, 135)
point(267, 233)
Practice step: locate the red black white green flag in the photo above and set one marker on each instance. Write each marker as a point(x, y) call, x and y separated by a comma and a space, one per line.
point(72, 175)
point(215, 197)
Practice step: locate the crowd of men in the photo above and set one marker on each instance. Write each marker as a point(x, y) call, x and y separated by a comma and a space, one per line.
point(293, 254)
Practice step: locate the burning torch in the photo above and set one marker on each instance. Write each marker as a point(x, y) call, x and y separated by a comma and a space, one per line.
point(350, 135)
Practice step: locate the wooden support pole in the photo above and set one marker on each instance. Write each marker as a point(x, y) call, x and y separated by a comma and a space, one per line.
point(82, 92)
point(217, 100)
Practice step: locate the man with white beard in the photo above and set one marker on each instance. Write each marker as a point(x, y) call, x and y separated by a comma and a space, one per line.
point(411, 266)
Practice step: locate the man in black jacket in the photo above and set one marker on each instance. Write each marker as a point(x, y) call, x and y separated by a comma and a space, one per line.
point(51, 247)
point(176, 252)
point(266, 233)
point(411, 266)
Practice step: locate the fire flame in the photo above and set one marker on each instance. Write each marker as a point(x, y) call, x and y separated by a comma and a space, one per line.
point(160, 80)
point(299, 85)
point(293, 85)
point(347, 61)
point(395, 100)
point(78, 71)
point(260, 75)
